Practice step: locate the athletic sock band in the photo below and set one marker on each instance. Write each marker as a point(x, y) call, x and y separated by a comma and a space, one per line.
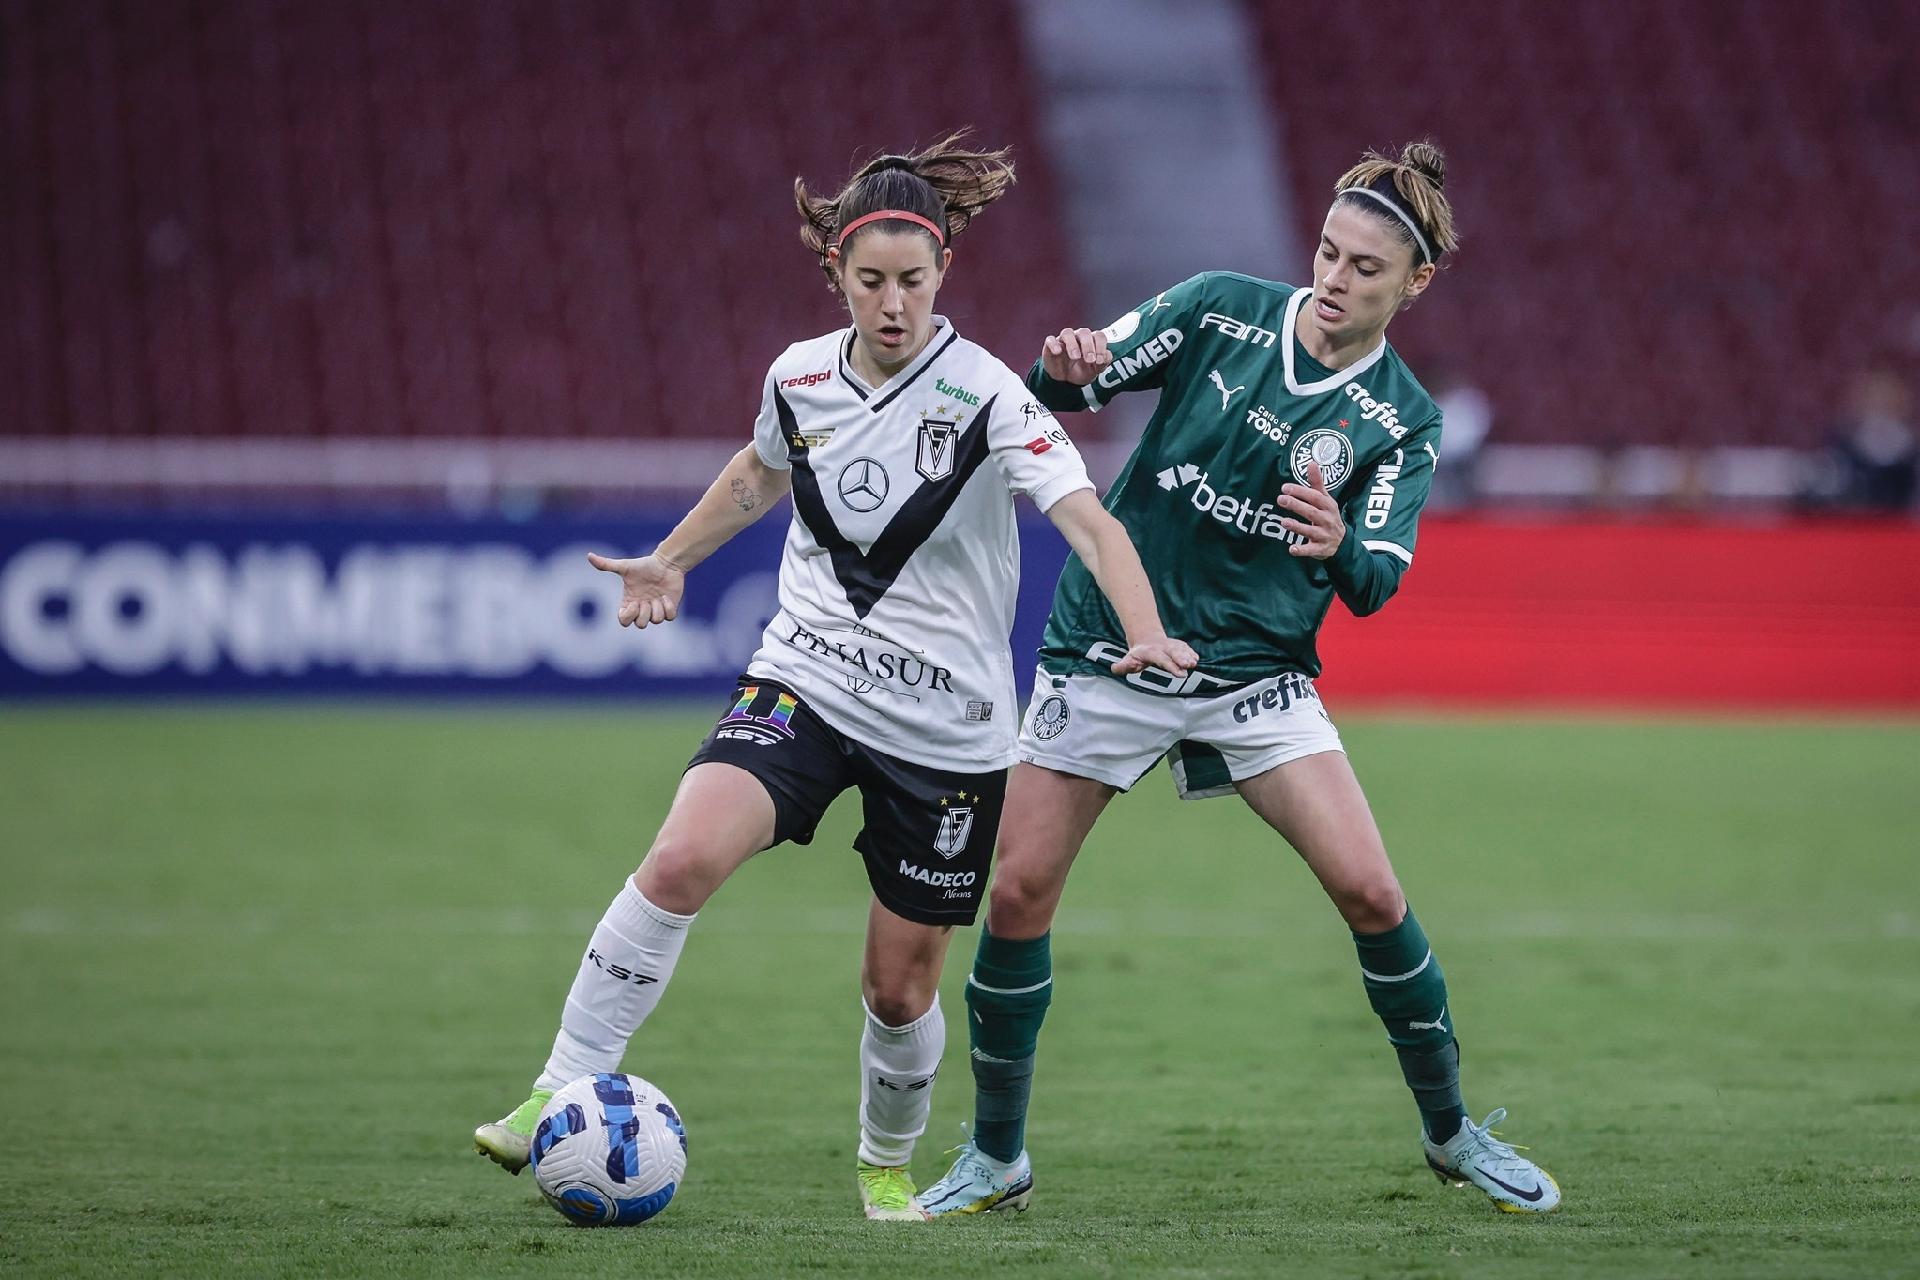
point(1007, 997)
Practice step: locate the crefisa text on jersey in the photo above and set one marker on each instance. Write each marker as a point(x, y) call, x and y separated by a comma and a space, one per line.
point(1380, 411)
point(882, 665)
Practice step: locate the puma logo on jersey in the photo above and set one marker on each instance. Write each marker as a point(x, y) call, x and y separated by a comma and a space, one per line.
point(1226, 396)
point(1438, 1024)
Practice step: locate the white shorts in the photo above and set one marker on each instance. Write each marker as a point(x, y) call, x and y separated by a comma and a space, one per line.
point(1103, 728)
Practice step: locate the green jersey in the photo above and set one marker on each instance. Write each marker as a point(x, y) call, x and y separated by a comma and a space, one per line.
point(1243, 408)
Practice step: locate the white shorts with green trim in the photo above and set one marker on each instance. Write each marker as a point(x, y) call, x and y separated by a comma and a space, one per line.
point(1103, 728)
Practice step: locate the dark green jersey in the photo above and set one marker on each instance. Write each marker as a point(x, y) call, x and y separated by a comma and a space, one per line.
point(1242, 410)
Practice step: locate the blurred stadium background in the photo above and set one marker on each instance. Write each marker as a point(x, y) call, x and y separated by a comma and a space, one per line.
point(329, 325)
point(335, 332)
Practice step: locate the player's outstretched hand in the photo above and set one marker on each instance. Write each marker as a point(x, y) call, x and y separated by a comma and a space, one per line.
point(651, 588)
point(1175, 657)
point(1319, 520)
point(1075, 355)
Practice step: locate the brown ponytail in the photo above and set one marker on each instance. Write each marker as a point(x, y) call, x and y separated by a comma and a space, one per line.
point(945, 184)
point(1418, 176)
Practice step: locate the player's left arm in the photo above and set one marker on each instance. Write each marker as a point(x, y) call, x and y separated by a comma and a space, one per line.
point(1103, 546)
point(1036, 456)
point(1367, 543)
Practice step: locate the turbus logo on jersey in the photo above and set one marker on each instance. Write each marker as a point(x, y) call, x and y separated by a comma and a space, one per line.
point(961, 394)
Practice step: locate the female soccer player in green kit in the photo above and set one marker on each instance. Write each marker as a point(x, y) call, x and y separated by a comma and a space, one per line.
point(1260, 382)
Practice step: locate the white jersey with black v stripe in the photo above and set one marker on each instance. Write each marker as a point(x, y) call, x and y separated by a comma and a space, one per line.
point(902, 562)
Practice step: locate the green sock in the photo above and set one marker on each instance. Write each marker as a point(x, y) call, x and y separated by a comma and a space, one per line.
point(1007, 997)
point(1409, 995)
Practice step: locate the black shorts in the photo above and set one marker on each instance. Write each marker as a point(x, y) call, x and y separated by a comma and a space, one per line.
point(928, 833)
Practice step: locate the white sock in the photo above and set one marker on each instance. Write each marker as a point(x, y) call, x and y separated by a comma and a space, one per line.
point(897, 1067)
point(621, 979)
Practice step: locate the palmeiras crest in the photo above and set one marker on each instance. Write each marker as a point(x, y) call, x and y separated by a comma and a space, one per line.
point(1324, 445)
point(956, 825)
point(935, 457)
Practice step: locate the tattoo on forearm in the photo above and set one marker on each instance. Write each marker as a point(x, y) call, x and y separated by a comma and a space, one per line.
point(744, 497)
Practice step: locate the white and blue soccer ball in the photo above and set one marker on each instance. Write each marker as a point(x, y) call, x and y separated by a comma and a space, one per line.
point(609, 1151)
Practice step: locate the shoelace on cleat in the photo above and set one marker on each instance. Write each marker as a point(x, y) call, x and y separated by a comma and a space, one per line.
point(966, 1140)
point(1487, 1139)
point(885, 1186)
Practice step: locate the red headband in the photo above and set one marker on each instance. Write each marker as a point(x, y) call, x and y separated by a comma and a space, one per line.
point(898, 214)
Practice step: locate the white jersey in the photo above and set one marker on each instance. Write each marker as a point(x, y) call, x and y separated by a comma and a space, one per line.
point(902, 562)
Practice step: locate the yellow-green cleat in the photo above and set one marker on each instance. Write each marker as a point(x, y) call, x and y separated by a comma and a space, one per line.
point(886, 1193)
point(508, 1141)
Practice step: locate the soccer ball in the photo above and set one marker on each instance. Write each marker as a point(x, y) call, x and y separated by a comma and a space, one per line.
point(609, 1151)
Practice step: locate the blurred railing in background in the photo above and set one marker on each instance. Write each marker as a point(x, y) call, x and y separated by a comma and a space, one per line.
point(335, 332)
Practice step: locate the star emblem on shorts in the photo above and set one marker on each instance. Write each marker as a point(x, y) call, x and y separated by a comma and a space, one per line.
point(1343, 422)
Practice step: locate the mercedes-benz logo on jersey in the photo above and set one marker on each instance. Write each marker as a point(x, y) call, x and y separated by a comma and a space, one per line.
point(1050, 718)
point(935, 458)
point(863, 484)
point(1327, 447)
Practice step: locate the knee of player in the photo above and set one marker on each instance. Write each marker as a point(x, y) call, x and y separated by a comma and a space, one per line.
point(677, 875)
point(1020, 903)
point(1374, 905)
point(894, 1001)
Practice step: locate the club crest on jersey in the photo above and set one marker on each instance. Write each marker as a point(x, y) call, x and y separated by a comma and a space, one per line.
point(1050, 719)
point(956, 824)
point(1324, 445)
point(934, 460)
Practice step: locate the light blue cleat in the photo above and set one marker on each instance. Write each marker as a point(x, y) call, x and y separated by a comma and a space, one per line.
point(978, 1183)
point(1476, 1156)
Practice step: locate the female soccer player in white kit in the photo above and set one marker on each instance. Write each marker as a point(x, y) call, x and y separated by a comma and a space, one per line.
point(887, 667)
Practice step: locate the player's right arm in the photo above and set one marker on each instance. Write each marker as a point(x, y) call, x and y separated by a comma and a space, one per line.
point(749, 484)
point(1086, 368)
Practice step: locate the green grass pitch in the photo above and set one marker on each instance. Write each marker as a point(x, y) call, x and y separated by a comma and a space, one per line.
point(263, 968)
